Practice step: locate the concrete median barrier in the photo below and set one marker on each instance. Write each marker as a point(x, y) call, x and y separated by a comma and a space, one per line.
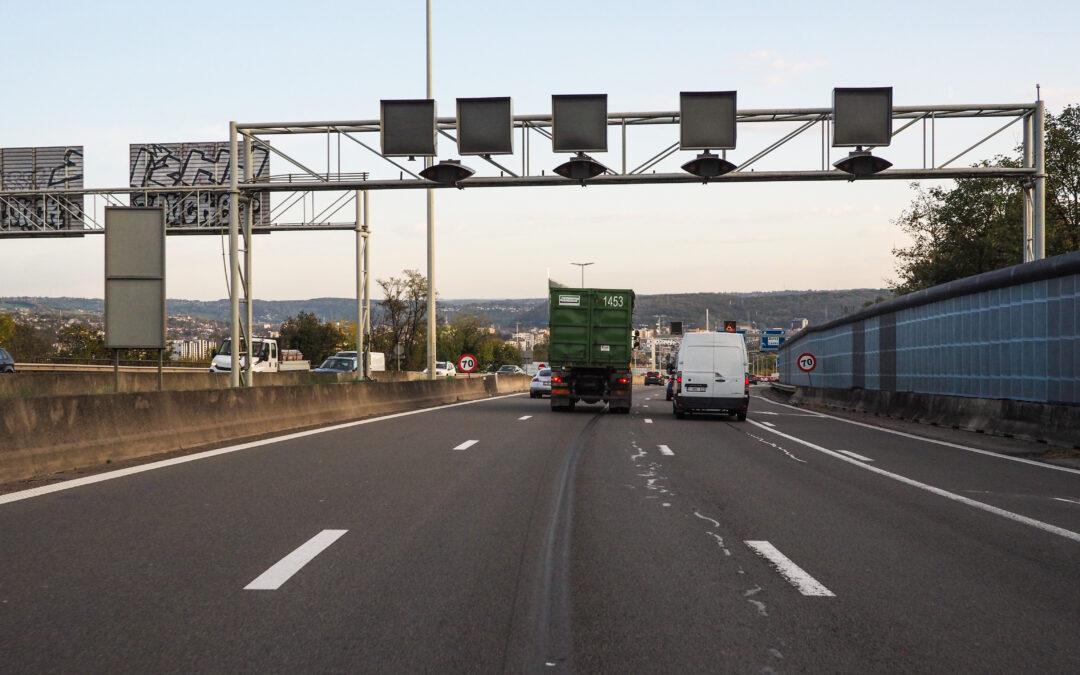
point(25, 384)
point(45, 435)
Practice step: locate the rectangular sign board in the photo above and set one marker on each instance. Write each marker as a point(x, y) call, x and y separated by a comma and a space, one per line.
point(134, 277)
point(48, 169)
point(188, 166)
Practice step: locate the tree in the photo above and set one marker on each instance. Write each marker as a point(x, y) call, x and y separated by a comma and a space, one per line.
point(25, 342)
point(316, 339)
point(403, 318)
point(540, 351)
point(80, 341)
point(975, 226)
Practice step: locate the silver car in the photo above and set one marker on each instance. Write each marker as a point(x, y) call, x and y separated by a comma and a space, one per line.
point(541, 384)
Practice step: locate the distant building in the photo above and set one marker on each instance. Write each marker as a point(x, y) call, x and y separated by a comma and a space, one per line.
point(192, 350)
point(798, 324)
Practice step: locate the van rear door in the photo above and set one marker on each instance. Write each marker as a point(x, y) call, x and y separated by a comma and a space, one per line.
point(730, 372)
point(697, 367)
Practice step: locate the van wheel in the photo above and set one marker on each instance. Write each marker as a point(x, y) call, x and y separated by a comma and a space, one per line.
point(679, 412)
point(741, 415)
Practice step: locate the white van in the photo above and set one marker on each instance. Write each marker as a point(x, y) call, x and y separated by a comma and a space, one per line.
point(712, 375)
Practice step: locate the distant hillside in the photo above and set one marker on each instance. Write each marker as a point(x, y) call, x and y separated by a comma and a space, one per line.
point(766, 309)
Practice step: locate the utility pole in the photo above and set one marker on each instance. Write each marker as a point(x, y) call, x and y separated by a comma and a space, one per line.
point(582, 265)
point(430, 231)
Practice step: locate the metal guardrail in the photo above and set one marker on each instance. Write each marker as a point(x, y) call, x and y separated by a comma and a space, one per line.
point(786, 388)
point(90, 368)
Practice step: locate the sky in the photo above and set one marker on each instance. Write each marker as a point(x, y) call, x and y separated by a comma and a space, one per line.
point(104, 75)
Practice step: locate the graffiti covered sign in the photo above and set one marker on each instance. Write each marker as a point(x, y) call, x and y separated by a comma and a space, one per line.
point(188, 166)
point(43, 169)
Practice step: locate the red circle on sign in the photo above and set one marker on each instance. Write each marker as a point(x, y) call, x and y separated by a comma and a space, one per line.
point(467, 363)
point(806, 362)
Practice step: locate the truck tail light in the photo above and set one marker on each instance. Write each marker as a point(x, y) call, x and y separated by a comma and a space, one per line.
point(556, 379)
point(623, 380)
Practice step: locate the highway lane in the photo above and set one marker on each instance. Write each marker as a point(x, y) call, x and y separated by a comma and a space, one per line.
point(586, 541)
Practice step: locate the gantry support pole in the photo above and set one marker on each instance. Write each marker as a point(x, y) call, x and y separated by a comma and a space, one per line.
point(361, 225)
point(431, 346)
point(1038, 229)
point(1028, 189)
point(234, 262)
point(249, 293)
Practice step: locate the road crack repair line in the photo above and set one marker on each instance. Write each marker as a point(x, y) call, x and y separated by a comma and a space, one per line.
point(759, 439)
point(650, 471)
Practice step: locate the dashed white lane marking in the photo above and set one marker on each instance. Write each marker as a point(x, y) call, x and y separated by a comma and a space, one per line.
point(1016, 517)
point(916, 437)
point(131, 470)
point(765, 412)
point(769, 424)
point(796, 576)
point(525, 417)
point(1070, 501)
point(466, 445)
point(665, 450)
point(648, 420)
point(856, 455)
point(282, 570)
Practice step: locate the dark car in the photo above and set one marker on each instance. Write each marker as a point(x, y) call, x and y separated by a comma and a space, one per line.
point(7, 362)
point(654, 377)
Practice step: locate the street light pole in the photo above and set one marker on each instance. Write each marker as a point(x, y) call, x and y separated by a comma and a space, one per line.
point(430, 231)
point(582, 265)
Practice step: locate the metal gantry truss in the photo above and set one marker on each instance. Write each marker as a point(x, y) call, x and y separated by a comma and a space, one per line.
point(355, 187)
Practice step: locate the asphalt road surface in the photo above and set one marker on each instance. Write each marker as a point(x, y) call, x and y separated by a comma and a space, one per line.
point(496, 536)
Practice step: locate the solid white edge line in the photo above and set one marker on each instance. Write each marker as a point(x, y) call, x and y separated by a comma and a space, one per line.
point(282, 570)
point(855, 455)
point(768, 424)
point(1016, 517)
point(1070, 501)
point(160, 464)
point(665, 450)
point(466, 445)
point(795, 575)
point(916, 437)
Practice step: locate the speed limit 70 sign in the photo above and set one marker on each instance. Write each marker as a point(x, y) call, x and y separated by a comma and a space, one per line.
point(806, 362)
point(467, 363)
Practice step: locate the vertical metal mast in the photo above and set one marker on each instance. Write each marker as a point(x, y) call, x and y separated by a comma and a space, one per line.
point(1028, 187)
point(360, 225)
point(1038, 229)
point(234, 262)
point(249, 293)
point(430, 231)
point(367, 279)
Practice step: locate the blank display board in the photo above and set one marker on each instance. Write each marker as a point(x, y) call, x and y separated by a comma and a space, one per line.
point(707, 120)
point(862, 116)
point(485, 126)
point(579, 122)
point(134, 277)
point(407, 127)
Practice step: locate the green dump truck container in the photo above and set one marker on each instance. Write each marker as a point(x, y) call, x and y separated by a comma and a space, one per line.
point(591, 347)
